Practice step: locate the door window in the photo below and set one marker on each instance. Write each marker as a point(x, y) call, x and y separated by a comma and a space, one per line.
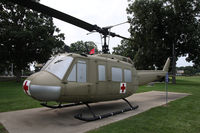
point(101, 72)
point(127, 75)
point(72, 75)
point(78, 72)
point(81, 71)
point(116, 74)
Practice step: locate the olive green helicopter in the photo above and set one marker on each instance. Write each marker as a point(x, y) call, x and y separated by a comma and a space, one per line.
point(84, 79)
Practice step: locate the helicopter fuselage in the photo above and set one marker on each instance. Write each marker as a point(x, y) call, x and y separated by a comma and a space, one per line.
point(88, 78)
point(83, 78)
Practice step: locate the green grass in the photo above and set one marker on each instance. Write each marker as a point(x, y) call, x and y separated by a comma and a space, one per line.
point(181, 116)
point(13, 98)
point(2, 129)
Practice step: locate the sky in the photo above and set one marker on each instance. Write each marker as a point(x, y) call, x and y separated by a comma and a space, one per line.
point(100, 12)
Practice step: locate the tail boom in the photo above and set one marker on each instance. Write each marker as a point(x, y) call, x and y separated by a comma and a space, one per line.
point(147, 76)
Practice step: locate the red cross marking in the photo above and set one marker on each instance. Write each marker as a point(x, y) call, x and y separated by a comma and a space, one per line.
point(26, 87)
point(123, 87)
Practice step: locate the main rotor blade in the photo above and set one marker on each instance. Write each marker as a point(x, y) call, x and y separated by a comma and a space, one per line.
point(116, 35)
point(64, 17)
point(56, 14)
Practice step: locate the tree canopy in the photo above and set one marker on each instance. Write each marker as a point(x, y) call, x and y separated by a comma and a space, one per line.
point(81, 47)
point(26, 36)
point(158, 24)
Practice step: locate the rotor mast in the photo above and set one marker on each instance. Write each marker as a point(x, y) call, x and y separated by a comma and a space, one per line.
point(105, 48)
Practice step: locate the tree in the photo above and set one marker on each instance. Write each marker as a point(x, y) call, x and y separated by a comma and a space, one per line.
point(158, 24)
point(125, 49)
point(83, 47)
point(26, 36)
point(147, 33)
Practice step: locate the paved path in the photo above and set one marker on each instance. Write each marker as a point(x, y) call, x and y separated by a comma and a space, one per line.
point(44, 120)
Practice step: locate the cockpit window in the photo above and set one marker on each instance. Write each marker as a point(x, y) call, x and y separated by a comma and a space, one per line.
point(59, 65)
point(48, 62)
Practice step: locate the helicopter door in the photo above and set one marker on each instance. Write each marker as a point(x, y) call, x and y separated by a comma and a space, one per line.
point(102, 82)
point(77, 79)
point(116, 78)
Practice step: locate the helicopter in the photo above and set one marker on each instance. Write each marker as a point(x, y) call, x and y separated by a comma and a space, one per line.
point(84, 79)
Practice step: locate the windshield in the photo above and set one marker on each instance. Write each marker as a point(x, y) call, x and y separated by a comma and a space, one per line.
point(47, 63)
point(58, 65)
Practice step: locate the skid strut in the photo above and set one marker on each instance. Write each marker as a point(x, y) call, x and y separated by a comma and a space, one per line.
point(60, 105)
point(97, 117)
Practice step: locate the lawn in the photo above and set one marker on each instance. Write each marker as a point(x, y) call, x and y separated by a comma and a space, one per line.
point(181, 116)
point(12, 97)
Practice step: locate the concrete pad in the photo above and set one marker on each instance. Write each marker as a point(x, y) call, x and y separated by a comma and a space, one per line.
point(44, 120)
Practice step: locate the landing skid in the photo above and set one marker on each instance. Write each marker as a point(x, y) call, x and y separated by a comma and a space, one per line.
point(60, 105)
point(97, 117)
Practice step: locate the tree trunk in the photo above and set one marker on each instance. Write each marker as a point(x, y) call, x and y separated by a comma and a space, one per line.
point(173, 65)
point(18, 75)
point(173, 79)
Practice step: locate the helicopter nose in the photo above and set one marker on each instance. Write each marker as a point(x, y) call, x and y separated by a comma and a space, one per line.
point(45, 93)
point(42, 87)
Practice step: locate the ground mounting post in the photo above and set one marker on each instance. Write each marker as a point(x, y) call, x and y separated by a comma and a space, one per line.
point(166, 86)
